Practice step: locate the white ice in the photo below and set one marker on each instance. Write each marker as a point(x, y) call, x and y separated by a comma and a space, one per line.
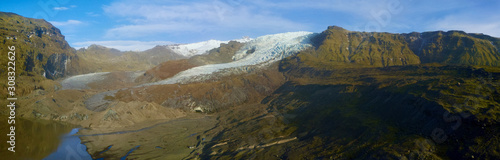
point(81, 81)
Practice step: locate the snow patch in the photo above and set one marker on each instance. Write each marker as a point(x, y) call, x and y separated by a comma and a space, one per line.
point(66, 61)
point(266, 49)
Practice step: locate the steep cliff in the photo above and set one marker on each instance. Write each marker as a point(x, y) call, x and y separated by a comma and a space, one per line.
point(40, 47)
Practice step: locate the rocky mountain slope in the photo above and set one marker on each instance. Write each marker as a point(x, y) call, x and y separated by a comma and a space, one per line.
point(42, 53)
point(40, 47)
point(199, 48)
point(222, 54)
point(97, 58)
point(386, 49)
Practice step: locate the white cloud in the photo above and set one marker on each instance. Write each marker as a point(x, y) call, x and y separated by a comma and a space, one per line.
point(66, 23)
point(469, 22)
point(60, 8)
point(364, 8)
point(63, 8)
point(489, 28)
point(359, 8)
point(140, 30)
point(376, 15)
point(123, 45)
point(92, 14)
point(226, 19)
point(145, 19)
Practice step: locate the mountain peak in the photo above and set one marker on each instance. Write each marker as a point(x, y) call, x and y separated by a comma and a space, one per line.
point(337, 28)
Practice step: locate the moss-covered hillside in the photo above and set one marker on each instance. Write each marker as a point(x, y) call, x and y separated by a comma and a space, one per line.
point(387, 49)
point(41, 53)
point(40, 47)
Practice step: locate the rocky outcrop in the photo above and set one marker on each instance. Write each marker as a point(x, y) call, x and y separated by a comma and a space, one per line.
point(40, 47)
point(111, 115)
point(56, 66)
point(164, 70)
point(222, 54)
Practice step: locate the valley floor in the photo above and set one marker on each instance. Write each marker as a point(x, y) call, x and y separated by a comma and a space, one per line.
point(285, 112)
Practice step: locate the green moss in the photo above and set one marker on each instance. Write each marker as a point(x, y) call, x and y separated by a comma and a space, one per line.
point(336, 46)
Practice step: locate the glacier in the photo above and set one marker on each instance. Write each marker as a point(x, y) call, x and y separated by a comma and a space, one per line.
point(267, 49)
point(81, 81)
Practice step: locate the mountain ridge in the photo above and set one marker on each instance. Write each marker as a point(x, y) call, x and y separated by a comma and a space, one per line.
point(387, 49)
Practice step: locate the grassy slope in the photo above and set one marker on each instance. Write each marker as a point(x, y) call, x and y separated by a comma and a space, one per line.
point(376, 49)
point(457, 47)
point(386, 49)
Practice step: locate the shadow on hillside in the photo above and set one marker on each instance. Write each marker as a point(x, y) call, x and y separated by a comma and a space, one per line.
point(363, 117)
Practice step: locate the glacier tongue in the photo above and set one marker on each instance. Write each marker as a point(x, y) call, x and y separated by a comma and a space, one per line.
point(267, 49)
point(81, 81)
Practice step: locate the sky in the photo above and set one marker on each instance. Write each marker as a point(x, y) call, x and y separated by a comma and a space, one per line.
point(139, 24)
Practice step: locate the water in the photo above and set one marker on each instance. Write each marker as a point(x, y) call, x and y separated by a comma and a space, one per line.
point(107, 149)
point(133, 149)
point(70, 149)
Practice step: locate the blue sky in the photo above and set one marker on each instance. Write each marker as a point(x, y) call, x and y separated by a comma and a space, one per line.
point(140, 24)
